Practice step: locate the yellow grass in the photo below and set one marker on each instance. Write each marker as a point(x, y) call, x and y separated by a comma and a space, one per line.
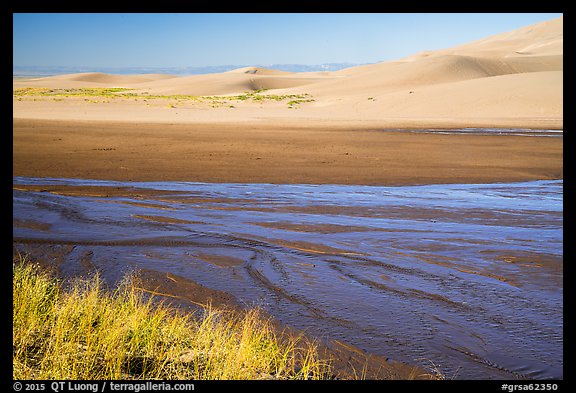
point(78, 330)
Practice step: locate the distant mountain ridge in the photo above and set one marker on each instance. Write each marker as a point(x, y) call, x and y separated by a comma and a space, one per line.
point(57, 70)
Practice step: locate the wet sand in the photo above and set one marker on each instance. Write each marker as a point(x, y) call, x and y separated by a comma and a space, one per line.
point(276, 152)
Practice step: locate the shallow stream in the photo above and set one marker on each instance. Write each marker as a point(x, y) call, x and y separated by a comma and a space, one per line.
point(466, 278)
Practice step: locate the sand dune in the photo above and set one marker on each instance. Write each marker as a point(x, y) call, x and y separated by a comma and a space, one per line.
point(526, 95)
point(493, 56)
point(541, 39)
point(429, 71)
point(99, 77)
point(89, 79)
point(228, 83)
point(513, 79)
point(232, 82)
point(517, 74)
point(257, 71)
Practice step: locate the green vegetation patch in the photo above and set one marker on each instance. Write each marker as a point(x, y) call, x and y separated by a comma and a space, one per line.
point(120, 92)
point(108, 92)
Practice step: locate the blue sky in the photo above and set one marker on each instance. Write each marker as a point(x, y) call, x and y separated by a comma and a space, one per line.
point(179, 40)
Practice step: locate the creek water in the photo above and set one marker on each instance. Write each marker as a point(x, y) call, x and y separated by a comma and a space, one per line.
point(466, 278)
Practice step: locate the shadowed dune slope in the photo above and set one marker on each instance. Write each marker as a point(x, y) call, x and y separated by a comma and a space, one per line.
point(228, 83)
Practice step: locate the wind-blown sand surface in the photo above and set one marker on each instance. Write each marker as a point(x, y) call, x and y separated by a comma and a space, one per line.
point(511, 80)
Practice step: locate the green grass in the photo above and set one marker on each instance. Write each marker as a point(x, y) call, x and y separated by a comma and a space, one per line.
point(116, 93)
point(78, 330)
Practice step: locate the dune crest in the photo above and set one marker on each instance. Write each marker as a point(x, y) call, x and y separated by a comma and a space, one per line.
point(257, 70)
point(540, 39)
point(105, 79)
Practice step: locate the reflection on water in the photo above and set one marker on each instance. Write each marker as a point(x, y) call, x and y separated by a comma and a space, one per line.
point(495, 131)
point(467, 277)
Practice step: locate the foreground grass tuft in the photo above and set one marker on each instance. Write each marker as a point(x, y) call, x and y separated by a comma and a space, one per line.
point(81, 331)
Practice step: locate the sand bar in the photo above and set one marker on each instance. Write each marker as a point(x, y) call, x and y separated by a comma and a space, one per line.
point(256, 153)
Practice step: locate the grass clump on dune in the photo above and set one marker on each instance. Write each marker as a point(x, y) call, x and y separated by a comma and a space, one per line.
point(81, 331)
